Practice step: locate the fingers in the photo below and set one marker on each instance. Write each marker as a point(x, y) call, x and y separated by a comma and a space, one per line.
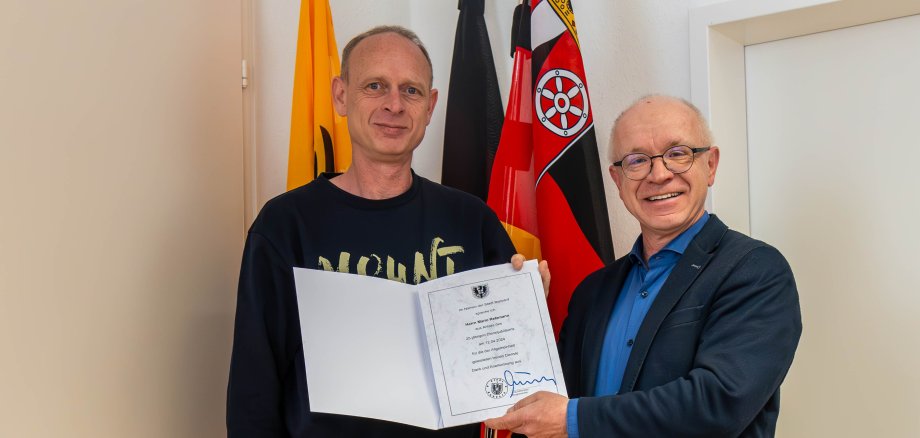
point(530, 399)
point(541, 414)
point(506, 422)
point(512, 420)
point(545, 276)
point(517, 261)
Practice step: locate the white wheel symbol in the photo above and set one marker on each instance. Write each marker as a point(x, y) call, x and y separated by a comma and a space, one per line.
point(558, 91)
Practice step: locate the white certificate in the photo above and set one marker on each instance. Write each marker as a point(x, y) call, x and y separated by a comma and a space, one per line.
point(451, 351)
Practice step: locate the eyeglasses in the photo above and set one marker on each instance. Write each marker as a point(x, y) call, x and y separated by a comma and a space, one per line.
point(677, 159)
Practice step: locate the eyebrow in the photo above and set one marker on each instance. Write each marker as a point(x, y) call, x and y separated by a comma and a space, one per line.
point(410, 83)
point(670, 144)
point(368, 80)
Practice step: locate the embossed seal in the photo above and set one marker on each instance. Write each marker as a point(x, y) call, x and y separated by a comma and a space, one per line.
point(496, 388)
point(481, 290)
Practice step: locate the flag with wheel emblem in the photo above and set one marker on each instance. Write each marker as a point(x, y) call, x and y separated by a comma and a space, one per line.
point(547, 160)
point(319, 136)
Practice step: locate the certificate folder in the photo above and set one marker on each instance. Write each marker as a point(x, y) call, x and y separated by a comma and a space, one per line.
point(451, 351)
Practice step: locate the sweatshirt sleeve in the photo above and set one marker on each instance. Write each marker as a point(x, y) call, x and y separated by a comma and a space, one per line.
point(496, 244)
point(254, 392)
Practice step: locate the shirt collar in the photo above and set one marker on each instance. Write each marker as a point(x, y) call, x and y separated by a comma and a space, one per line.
point(678, 245)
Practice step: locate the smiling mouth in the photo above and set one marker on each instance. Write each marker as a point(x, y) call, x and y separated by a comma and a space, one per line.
point(664, 196)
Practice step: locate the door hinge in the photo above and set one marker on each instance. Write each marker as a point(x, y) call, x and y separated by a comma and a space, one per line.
point(245, 74)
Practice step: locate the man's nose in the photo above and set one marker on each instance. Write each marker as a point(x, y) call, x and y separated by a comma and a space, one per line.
point(392, 101)
point(659, 171)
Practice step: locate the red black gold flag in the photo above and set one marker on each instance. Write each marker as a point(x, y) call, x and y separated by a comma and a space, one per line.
point(474, 106)
point(511, 191)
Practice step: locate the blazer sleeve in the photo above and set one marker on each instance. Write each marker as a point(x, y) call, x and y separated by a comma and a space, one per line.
point(745, 348)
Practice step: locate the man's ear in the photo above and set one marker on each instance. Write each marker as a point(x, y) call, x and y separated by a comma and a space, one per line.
point(615, 174)
point(432, 102)
point(338, 96)
point(713, 161)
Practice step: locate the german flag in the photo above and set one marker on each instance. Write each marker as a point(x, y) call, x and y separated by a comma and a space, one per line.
point(546, 181)
point(512, 191)
point(319, 136)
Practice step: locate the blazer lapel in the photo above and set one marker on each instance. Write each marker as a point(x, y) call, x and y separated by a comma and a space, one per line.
point(598, 317)
point(688, 268)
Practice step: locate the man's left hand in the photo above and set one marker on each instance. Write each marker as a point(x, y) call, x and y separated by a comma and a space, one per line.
point(541, 415)
point(517, 261)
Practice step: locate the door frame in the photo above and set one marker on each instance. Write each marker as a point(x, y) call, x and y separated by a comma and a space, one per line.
point(719, 33)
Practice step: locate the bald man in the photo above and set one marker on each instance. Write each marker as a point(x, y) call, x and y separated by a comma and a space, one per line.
point(692, 332)
point(378, 218)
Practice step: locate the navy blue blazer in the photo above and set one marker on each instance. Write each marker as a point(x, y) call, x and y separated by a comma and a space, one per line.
point(711, 353)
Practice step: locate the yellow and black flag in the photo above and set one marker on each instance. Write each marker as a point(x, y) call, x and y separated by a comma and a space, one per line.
point(319, 136)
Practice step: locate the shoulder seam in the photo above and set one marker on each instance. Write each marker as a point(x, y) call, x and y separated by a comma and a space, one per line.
point(271, 244)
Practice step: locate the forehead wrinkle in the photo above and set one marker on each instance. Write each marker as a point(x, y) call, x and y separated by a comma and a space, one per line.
point(380, 47)
point(656, 123)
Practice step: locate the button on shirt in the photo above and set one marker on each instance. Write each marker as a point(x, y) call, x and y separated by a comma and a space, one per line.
point(639, 291)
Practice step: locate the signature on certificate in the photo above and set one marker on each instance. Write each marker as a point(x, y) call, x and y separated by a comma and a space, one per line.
point(511, 379)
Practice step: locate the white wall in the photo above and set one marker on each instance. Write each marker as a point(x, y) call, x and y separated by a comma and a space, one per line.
point(121, 224)
point(829, 189)
point(811, 78)
point(630, 48)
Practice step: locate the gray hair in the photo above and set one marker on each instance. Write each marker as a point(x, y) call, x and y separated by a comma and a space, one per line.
point(704, 132)
point(398, 30)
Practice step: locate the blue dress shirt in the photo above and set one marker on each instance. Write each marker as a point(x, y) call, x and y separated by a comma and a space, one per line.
point(639, 291)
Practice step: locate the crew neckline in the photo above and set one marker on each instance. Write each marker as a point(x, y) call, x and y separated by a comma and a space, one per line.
point(325, 179)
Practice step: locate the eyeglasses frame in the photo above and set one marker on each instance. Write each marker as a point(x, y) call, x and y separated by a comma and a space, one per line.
point(693, 150)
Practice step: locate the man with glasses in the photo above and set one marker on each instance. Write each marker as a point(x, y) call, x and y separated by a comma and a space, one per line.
point(692, 332)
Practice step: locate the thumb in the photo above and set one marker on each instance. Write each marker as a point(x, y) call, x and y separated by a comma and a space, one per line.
point(507, 422)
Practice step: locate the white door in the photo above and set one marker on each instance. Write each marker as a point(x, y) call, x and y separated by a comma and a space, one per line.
point(835, 185)
point(121, 224)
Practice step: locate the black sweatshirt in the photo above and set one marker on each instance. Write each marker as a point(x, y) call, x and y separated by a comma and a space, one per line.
point(428, 232)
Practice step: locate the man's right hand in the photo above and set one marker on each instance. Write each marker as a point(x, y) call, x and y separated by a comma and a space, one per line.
point(541, 415)
point(517, 261)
